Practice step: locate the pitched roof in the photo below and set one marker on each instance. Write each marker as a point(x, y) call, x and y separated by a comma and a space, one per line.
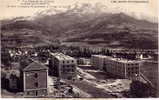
point(35, 66)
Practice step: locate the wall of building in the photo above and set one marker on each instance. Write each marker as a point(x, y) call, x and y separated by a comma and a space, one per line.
point(68, 69)
point(63, 68)
point(54, 66)
point(133, 70)
point(97, 62)
point(40, 92)
point(115, 66)
point(125, 70)
point(35, 80)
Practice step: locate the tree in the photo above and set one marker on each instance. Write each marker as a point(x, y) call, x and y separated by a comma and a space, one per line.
point(140, 89)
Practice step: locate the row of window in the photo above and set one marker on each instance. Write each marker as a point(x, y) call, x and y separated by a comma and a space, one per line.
point(133, 64)
point(68, 70)
point(117, 69)
point(132, 72)
point(68, 66)
point(121, 64)
point(72, 61)
point(122, 68)
point(114, 65)
point(35, 92)
point(133, 68)
point(35, 75)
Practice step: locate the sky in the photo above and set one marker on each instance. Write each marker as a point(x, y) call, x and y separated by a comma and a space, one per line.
point(147, 8)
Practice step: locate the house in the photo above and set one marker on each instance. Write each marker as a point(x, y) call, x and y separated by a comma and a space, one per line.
point(35, 77)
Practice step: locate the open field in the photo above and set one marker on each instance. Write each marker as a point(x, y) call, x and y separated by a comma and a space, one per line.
point(99, 84)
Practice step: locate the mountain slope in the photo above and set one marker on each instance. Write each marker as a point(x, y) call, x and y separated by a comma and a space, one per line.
point(127, 31)
point(91, 26)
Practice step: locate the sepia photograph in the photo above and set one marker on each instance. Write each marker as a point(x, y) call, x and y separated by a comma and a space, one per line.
point(79, 49)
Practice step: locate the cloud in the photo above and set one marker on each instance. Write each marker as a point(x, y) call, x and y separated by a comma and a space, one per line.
point(139, 10)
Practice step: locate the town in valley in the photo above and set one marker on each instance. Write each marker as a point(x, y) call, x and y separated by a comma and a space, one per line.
point(80, 53)
point(50, 71)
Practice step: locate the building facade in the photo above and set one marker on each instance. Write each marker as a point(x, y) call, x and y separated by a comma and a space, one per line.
point(83, 61)
point(35, 77)
point(124, 68)
point(63, 66)
point(97, 61)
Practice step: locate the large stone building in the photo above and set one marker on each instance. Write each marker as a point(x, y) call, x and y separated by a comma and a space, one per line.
point(124, 68)
point(35, 77)
point(83, 61)
point(97, 61)
point(63, 66)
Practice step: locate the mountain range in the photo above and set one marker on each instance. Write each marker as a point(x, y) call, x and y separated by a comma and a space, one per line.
point(86, 24)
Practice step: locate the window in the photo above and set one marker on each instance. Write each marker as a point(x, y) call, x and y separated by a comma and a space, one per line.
point(67, 61)
point(72, 61)
point(64, 70)
point(36, 93)
point(36, 84)
point(36, 75)
point(69, 78)
point(68, 70)
point(63, 61)
point(63, 66)
point(137, 72)
point(28, 93)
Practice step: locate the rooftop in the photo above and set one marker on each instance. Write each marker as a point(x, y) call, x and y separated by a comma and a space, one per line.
point(100, 56)
point(122, 60)
point(61, 56)
point(35, 66)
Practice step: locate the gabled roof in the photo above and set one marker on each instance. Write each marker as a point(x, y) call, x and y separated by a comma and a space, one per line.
point(35, 66)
